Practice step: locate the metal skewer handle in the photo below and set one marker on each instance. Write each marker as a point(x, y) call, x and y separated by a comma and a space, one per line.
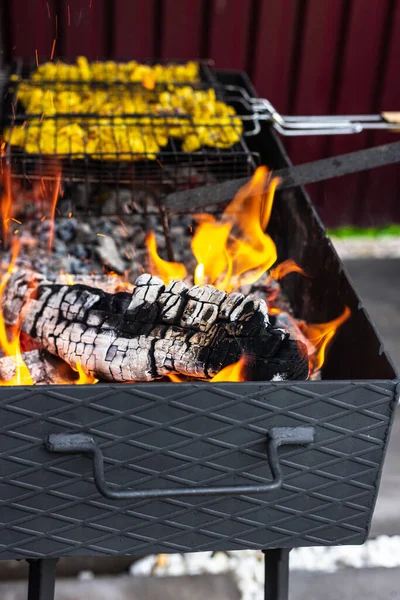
point(261, 109)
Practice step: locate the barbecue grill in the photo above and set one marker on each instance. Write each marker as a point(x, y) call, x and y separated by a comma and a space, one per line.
point(113, 470)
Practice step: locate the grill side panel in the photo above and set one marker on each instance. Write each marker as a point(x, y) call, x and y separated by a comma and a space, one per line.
point(185, 435)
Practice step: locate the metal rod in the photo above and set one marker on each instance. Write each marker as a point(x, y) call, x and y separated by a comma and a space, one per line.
point(166, 231)
point(276, 583)
point(261, 109)
point(81, 443)
point(42, 579)
point(320, 170)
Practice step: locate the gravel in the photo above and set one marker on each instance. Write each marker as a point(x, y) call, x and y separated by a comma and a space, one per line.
point(247, 566)
point(379, 247)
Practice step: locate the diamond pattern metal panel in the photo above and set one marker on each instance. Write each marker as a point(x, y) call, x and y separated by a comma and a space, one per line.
point(172, 435)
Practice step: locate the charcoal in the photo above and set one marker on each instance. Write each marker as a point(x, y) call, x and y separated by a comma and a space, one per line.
point(59, 248)
point(117, 202)
point(155, 331)
point(84, 233)
point(44, 233)
point(76, 265)
point(152, 222)
point(81, 251)
point(108, 254)
point(66, 230)
point(160, 239)
point(139, 238)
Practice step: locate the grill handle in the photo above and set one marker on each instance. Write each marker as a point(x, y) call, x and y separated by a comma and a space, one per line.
point(79, 443)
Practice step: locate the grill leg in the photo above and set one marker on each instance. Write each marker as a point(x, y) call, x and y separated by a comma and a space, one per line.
point(42, 579)
point(276, 584)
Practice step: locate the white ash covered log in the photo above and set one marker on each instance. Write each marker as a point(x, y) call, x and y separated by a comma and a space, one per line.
point(155, 331)
point(43, 367)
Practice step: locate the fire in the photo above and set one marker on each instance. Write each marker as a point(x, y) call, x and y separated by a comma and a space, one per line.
point(167, 271)
point(66, 278)
point(6, 203)
point(286, 267)
point(320, 335)
point(234, 372)
point(236, 250)
point(231, 251)
point(11, 345)
point(175, 378)
point(54, 201)
point(83, 377)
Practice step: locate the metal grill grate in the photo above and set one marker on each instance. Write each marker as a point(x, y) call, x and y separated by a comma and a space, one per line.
point(116, 130)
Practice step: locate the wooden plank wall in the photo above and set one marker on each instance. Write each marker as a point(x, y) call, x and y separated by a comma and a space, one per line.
point(306, 56)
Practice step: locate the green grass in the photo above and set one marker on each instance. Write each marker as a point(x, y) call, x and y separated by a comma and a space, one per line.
point(365, 232)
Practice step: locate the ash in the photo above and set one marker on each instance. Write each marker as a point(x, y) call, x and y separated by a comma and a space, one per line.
point(107, 236)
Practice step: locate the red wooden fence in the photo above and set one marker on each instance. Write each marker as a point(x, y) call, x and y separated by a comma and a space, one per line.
point(306, 56)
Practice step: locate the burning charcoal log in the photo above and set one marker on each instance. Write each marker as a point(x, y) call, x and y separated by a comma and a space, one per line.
point(42, 366)
point(285, 321)
point(155, 331)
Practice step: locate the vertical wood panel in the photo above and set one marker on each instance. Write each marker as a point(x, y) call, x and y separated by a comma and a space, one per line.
point(182, 29)
point(32, 28)
point(317, 65)
point(359, 73)
point(316, 70)
point(275, 45)
point(86, 34)
point(380, 188)
point(229, 33)
point(134, 29)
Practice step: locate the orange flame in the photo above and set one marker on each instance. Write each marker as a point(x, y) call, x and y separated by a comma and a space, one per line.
point(6, 203)
point(66, 278)
point(236, 250)
point(11, 347)
point(175, 378)
point(234, 372)
point(286, 267)
point(231, 251)
point(83, 377)
point(167, 271)
point(54, 201)
point(320, 335)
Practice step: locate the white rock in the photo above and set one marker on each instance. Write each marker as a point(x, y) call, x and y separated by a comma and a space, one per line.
point(85, 576)
point(144, 566)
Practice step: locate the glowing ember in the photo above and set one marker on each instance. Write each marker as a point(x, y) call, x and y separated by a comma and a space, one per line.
point(167, 271)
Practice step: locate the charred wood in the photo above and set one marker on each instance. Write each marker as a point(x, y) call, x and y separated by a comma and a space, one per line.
point(154, 331)
point(43, 368)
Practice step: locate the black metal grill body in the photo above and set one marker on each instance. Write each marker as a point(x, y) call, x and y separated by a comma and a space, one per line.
point(165, 435)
